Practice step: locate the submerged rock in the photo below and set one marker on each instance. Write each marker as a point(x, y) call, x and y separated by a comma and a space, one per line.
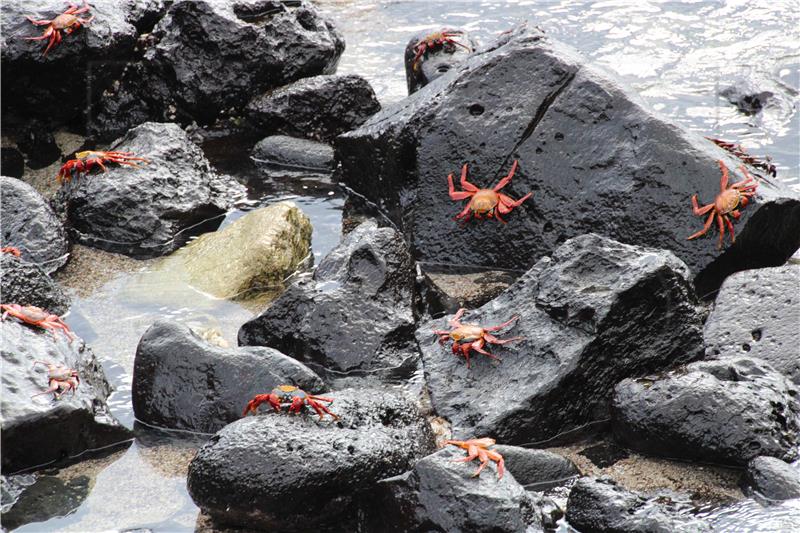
point(151, 210)
point(180, 381)
point(595, 158)
point(281, 472)
point(773, 478)
point(292, 153)
point(39, 430)
point(29, 224)
point(436, 61)
point(27, 284)
point(757, 313)
point(594, 313)
point(726, 412)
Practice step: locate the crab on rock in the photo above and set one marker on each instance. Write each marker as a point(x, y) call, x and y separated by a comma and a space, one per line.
point(487, 203)
point(36, 316)
point(479, 449)
point(10, 250)
point(61, 378)
point(468, 337)
point(68, 22)
point(727, 204)
point(85, 161)
point(436, 40)
point(295, 397)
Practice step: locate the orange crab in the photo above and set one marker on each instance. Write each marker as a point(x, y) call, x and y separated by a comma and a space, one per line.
point(85, 161)
point(61, 378)
point(295, 397)
point(484, 202)
point(726, 204)
point(435, 40)
point(68, 22)
point(36, 316)
point(10, 250)
point(479, 449)
point(468, 337)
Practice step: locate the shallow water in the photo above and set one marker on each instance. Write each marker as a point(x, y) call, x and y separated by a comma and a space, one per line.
point(677, 55)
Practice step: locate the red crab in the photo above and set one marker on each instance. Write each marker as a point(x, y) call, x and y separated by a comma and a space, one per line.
point(468, 337)
point(289, 394)
point(435, 40)
point(36, 316)
point(10, 250)
point(479, 449)
point(85, 161)
point(61, 378)
point(730, 197)
point(485, 202)
point(68, 21)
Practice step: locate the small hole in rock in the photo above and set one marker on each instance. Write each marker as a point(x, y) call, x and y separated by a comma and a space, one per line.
point(538, 150)
point(746, 347)
point(559, 136)
point(476, 109)
point(548, 226)
point(756, 333)
point(442, 68)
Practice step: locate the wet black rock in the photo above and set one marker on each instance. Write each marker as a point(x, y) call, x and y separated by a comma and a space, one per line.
point(28, 284)
point(757, 313)
point(596, 312)
point(439, 494)
point(181, 381)
point(294, 473)
point(318, 108)
point(49, 497)
point(12, 163)
point(29, 224)
point(595, 157)
point(448, 291)
point(354, 315)
point(38, 144)
point(773, 478)
point(751, 94)
point(151, 210)
point(42, 429)
point(537, 469)
point(206, 58)
point(293, 153)
point(436, 61)
point(726, 412)
point(601, 506)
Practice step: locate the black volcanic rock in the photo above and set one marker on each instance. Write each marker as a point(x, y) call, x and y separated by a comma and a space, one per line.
point(289, 152)
point(28, 284)
point(773, 478)
point(436, 61)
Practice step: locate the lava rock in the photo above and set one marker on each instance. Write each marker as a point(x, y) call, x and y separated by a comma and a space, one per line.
point(438, 494)
point(354, 315)
point(294, 473)
point(757, 313)
point(773, 478)
point(283, 151)
point(180, 381)
point(537, 467)
point(11, 162)
point(601, 506)
point(38, 144)
point(449, 292)
point(151, 210)
point(206, 57)
point(435, 61)
point(594, 313)
point(752, 94)
point(41, 429)
point(595, 157)
point(29, 224)
point(27, 284)
point(726, 412)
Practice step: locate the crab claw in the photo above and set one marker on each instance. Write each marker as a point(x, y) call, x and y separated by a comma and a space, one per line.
point(258, 399)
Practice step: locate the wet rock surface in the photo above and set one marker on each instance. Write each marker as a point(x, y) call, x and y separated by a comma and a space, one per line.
point(594, 313)
point(448, 292)
point(536, 467)
point(293, 153)
point(181, 381)
point(437, 60)
point(726, 412)
point(294, 473)
point(354, 315)
point(318, 108)
point(39, 430)
point(757, 313)
point(438, 494)
point(151, 210)
point(29, 224)
point(595, 158)
point(773, 478)
point(27, 284)
point(12, 163)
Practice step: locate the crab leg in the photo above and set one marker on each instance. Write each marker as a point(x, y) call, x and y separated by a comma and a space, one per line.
point(503, 182)
point(504, 324)
point(53, 388)
point(497, 215)
point(38, 23)
point(700, 210)
point(721, 231)
point(511, 203)
point(467, 186)
point(465, 212)
point(456, 320)
point(478, 347)
point(723, 181)
point(730, 228)
point(484, 458)
point(494, 340)
point(705, 227)
point(454, 194)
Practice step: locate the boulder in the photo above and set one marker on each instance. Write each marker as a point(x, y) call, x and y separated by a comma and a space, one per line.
point(29, 224)
point(39, 430)
point(450, 291)
point(436, 60)
point(537, 469)
point(295, 473)
point(180, 381)
point(596, 312)
point(12, 163)
point(594, 156)
point(439, 494)
point(354, 315)
point(757, 313)
point(292, 153)
point(725, 412)
point(151, 210)
point(27, 284)
point(773, 478)
point(318, 108)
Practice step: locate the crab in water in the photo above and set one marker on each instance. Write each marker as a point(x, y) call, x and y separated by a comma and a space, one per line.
point(68, 22)
point(479, 449)
point(435, 40)
point(10, 250)
point(61, 379)
point(468, 337)
point(295, 397)
point(727, 204)
point(85, 161)
point(487, 203)
point(36, 316)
